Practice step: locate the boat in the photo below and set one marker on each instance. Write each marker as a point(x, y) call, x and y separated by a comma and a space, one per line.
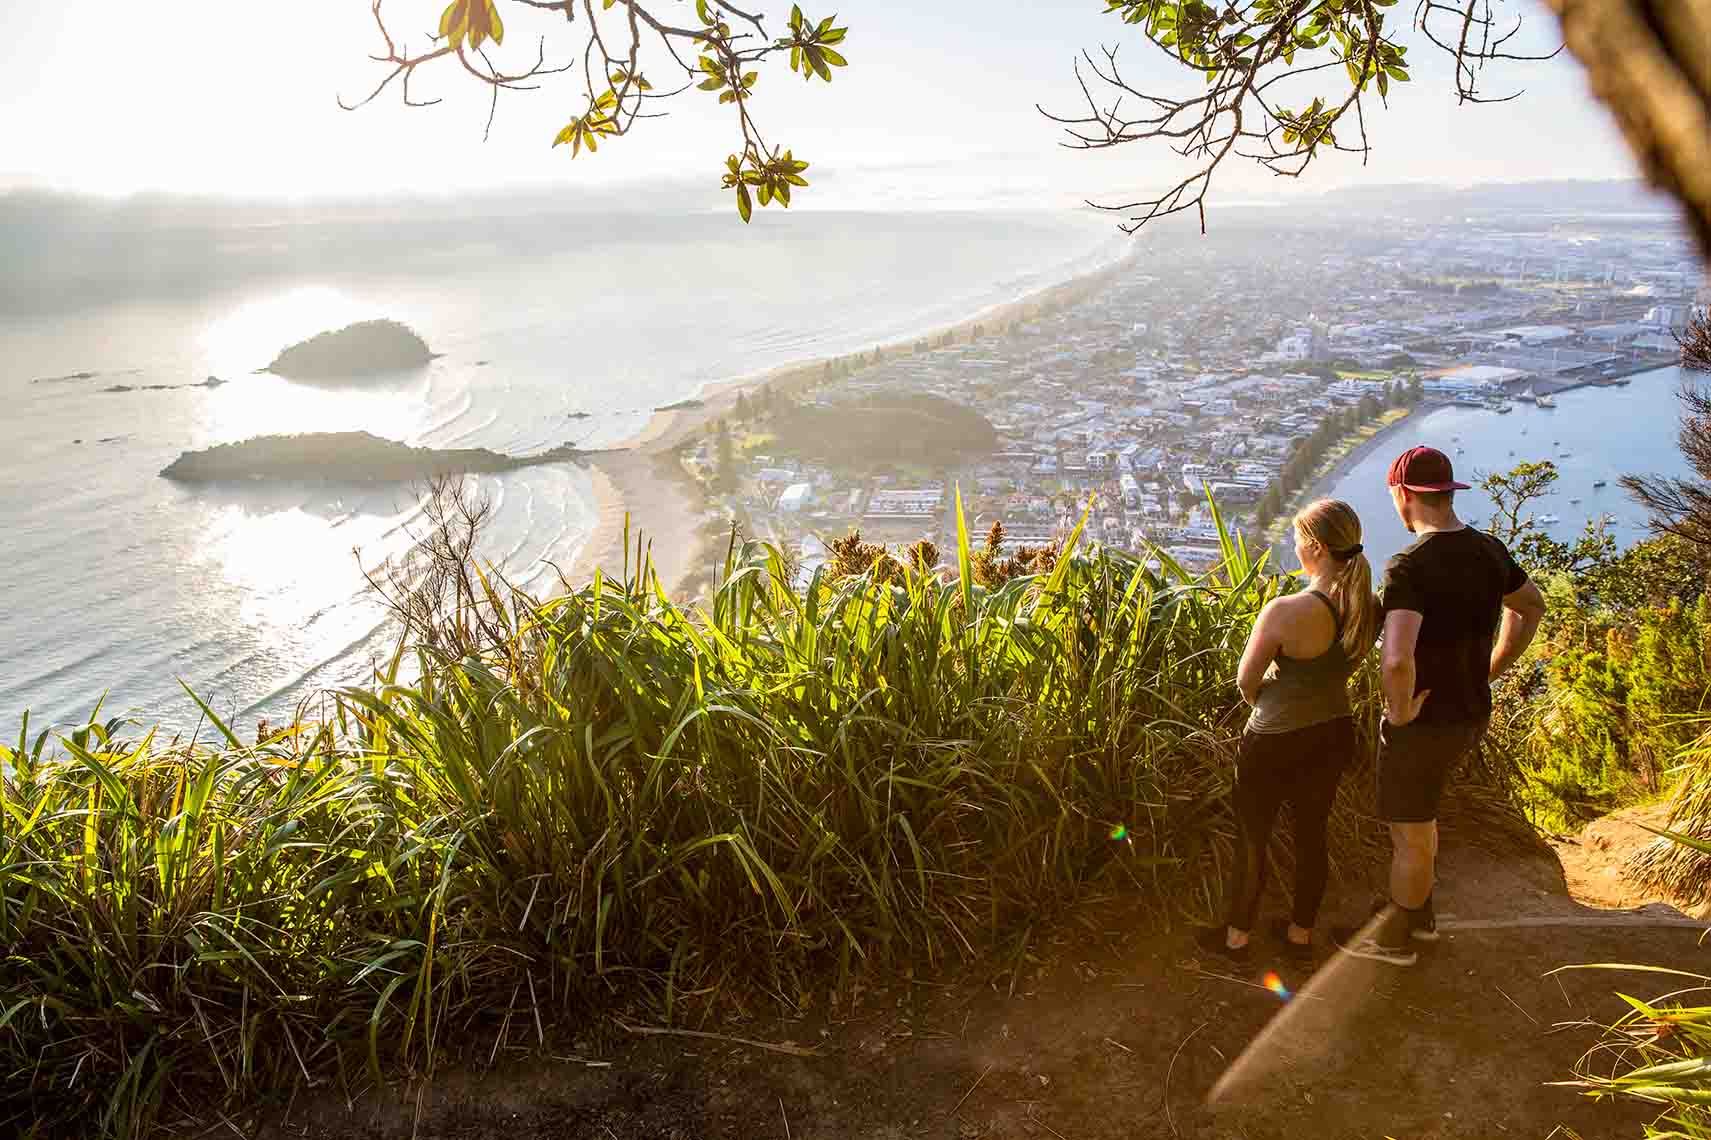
point(1529, 395)
point(1597, 483)
point(1460, 449)
point(1574, 502)
point(1549, 520)
point(1546, 400)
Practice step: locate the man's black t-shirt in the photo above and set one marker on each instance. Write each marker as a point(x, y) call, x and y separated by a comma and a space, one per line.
point(1456, 580)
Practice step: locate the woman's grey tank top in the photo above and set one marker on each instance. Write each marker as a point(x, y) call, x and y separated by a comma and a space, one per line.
point(1307, 692)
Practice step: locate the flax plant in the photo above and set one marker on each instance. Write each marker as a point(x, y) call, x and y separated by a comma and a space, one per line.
point(613, 805)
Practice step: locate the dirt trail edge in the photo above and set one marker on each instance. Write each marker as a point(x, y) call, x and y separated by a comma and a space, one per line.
point(1114, 1036)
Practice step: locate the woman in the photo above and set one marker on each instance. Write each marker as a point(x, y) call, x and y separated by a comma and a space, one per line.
point(1301, 735)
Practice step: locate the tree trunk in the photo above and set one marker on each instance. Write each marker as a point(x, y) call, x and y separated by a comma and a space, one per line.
point(1650, 62)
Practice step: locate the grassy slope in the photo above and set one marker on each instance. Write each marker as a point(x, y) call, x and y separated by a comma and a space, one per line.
point(619, 806)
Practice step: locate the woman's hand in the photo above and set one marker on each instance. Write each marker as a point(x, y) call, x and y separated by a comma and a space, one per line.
point(1251, 696)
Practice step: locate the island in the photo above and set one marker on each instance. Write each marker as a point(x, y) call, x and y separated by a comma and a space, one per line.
point(344, 457)
point(367, 348)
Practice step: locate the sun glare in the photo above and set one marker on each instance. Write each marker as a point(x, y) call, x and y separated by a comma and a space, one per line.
point(253, 403)
point(251, 335)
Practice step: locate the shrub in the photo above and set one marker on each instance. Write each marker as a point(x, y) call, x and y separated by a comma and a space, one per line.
point(603, 802)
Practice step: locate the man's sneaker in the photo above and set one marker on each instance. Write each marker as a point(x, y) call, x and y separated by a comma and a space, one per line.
point(1422, 924)
point(1359, 945)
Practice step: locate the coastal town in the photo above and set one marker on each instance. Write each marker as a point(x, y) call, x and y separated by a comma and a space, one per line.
point(1203, 366)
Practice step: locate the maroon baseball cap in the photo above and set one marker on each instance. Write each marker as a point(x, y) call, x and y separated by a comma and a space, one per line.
point(1424, 469)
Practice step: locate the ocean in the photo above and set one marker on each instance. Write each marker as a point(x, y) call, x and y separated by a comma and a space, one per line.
point(552, 330)
point(1593, 435)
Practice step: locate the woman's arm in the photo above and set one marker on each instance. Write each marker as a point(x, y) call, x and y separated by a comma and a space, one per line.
point(1264, 644)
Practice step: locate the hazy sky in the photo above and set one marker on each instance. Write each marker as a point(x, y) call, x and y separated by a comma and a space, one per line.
point(937, 106)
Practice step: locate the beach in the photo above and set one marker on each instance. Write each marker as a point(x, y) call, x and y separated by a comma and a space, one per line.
point(640, 486)
point(1327, 482)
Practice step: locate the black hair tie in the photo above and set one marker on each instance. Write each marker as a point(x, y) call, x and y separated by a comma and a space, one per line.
point(1351, 552)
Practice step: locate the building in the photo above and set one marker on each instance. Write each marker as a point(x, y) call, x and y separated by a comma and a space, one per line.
point(1480, 376)
point(904, 504)
point(795, 497)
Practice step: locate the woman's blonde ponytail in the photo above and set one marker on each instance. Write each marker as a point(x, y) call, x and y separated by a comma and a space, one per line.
point(1333, 525)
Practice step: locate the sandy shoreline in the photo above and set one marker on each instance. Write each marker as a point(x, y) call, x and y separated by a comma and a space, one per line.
point(641, 478)
point(1322, 486)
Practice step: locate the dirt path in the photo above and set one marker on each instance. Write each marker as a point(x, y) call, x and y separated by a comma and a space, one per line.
point(1110, 1036)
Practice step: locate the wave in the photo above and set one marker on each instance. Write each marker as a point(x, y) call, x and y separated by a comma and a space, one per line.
point(302, 679)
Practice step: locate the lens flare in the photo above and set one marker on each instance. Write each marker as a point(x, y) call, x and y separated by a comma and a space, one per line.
point(1119, 832)
point(1276, 986)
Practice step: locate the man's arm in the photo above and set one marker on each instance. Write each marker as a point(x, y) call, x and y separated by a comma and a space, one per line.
point(1264, 644)
point(1396, 668)
point(1522, 611)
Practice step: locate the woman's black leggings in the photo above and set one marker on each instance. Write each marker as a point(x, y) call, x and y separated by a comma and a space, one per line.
point(1303, 768)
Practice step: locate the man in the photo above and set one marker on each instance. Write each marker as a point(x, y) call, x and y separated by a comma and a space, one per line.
point(1458, 611)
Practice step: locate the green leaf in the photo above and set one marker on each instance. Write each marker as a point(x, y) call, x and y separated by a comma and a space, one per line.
point(744, 206)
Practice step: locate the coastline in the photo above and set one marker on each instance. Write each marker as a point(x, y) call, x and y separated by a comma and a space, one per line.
point(640, 479)
point(1321, 486)
point(1328, 478)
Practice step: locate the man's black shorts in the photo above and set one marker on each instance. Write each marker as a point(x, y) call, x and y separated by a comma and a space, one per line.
point(1414, 761)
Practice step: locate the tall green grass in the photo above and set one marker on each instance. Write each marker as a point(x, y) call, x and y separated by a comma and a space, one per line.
point(615, 804)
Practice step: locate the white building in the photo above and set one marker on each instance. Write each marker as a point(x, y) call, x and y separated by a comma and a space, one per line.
point(1131, 490)
point(1482, 375)
point(795, 497)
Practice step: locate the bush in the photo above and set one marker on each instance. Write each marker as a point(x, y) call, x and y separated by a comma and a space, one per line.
point(603, 803)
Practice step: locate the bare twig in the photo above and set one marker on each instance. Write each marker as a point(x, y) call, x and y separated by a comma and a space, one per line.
point(970, 1091)
point(767, 1046)
point(1517, 1005)
point(1170, 1117)
point(1034, 1117)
